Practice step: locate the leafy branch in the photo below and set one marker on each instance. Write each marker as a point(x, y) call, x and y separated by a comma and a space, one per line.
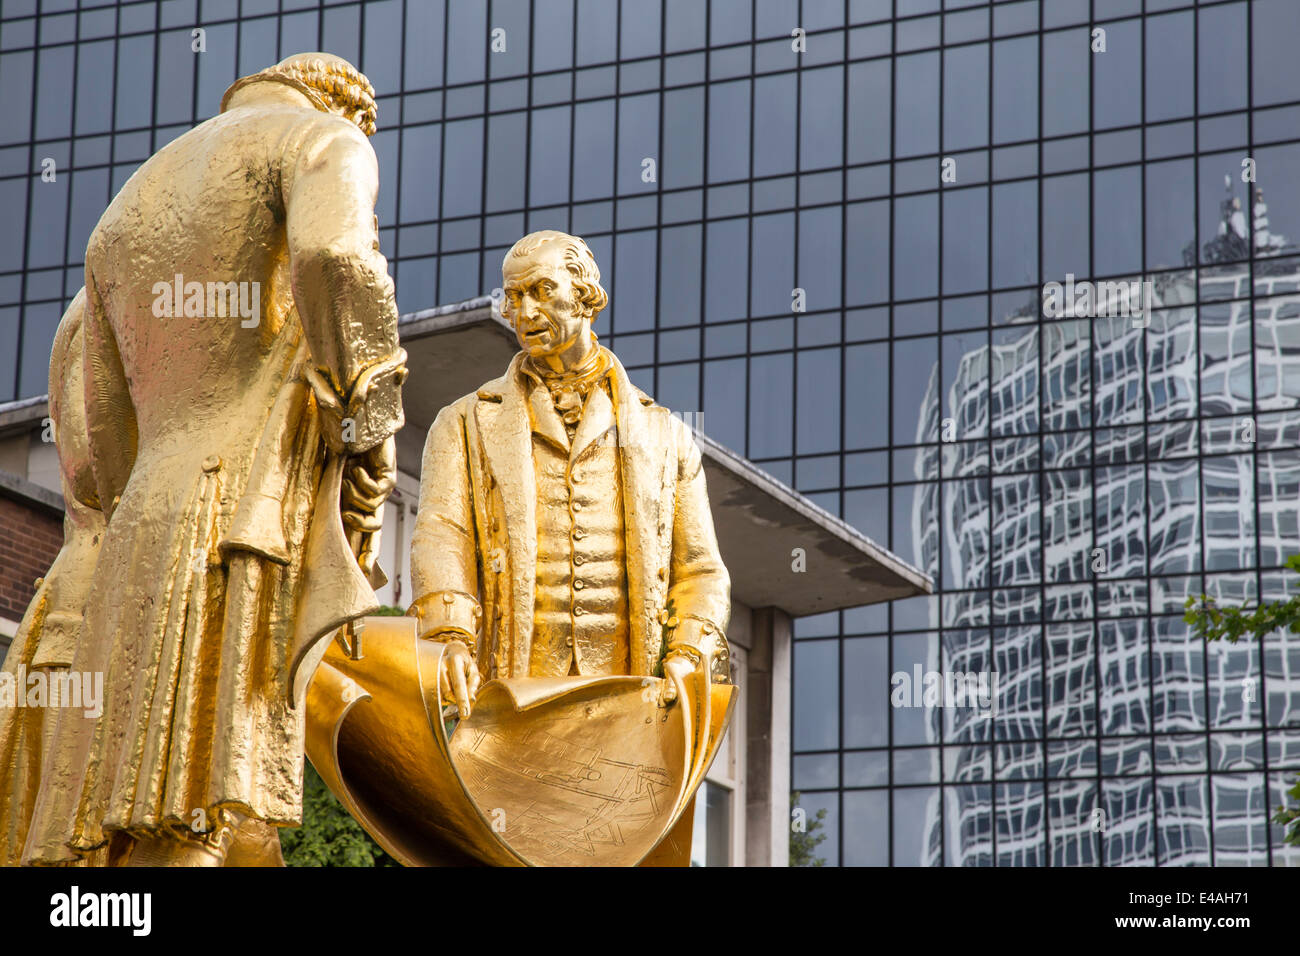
point(805, 840)
point(1212, 622)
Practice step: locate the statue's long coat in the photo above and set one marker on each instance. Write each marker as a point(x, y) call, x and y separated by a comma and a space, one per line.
point(474, 547)
point(210, 464)
point(48, 633)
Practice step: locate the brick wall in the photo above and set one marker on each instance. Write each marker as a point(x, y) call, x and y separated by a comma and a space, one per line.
point(30, 538)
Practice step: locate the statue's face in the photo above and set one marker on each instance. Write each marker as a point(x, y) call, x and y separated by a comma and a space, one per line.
point(541, 304)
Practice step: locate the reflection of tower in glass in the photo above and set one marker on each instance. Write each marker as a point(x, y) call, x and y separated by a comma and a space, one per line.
point(1143, 508)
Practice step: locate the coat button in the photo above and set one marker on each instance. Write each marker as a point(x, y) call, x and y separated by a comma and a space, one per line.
point(579, 610)
point(578, 559)
point(568, 642)
point(211, 463)
point(577, 506)
point(578, 585)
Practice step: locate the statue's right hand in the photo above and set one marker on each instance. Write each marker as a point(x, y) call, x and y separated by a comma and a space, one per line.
point(458, 676)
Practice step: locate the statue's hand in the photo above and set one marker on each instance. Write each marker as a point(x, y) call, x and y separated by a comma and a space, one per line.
point(458, 676)
point(367, 481)
point(677, 667)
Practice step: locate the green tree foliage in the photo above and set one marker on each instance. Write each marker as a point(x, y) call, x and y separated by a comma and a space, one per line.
point(329, 836)
point(1213, 622)
point(804, 843)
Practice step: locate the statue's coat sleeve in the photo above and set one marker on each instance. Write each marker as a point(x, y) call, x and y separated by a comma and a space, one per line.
point(444, 551)
point(340, 279)
point(699, 590)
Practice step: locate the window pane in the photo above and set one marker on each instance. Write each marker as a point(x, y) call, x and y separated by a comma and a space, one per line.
point(821, 109)
point(512, 17)
point(462, 186)
point(816, 695)
point(728, 264)
point(723, 408)
point(1221, 58)
point(916, 246)
point(1065, 84)
point(774, 102)
point(507, 146)
point(1170, 214)
point(818, 401)
point(771, 403)
point(966, 97)
point(1065, 227)
point(597, 26)
point(729, 118)
point(54, 92)
point(916, 95)
point(965, 240)
point(631, 293)
point(1275, 25)
point(683, 138)
point(1116, 75)
point(1015, 89)
point(1170, 83)
point(772, 275)
point(1117, 210)
point(423, 60)
point(593, 145)
point(467, 41)
point(867, 252)
point(869, 111)
point(1015, 234)
point(679, 276)
point(638, 140)
point(866, 397)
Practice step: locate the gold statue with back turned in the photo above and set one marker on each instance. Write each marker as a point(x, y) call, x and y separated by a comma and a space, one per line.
point(232, 446)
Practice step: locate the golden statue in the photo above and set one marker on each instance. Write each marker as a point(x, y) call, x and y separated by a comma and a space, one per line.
point(572, 604)
point(242, 387)
point(39, 660)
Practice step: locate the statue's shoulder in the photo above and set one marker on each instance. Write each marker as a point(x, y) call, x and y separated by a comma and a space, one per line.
point(624, 381)
point(494, 391)
point(311, 136)
point(463, 407)
point(675, 430)
point(460, 408)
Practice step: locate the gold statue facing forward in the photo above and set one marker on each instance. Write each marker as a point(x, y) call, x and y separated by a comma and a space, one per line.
point(564, 522)
point(572, 604)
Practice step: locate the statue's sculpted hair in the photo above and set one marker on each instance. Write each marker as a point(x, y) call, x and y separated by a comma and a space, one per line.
point(330, 81)
point(577, 259)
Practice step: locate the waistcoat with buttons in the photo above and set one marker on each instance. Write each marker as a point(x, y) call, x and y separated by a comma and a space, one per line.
point(580, 614)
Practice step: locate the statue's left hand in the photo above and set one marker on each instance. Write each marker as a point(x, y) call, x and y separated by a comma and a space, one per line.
point(367, 481)
point(677, 667)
